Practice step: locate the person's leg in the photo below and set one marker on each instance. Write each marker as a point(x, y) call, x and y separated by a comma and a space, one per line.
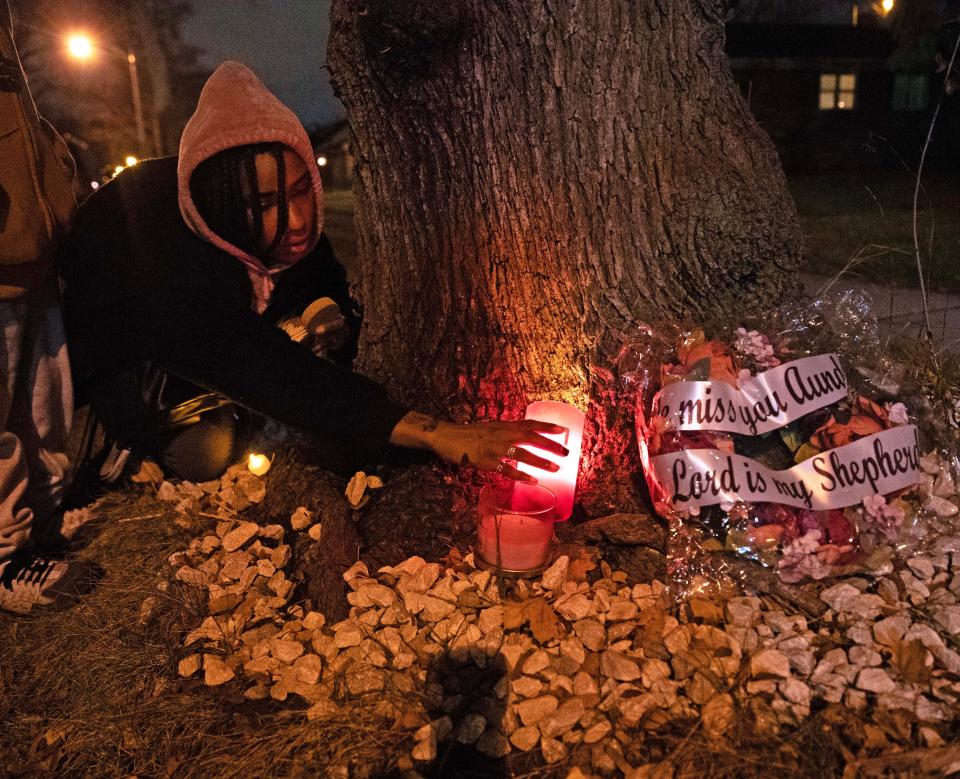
point(26, 580)
point(42, 411)
point(204, 450)
point(15, 517)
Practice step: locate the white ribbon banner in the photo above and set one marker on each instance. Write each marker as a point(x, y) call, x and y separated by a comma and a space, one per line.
point(765, 402)
point(875, 465)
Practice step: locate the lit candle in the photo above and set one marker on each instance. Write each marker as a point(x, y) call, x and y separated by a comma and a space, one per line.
point(562, 483)
point(258, 464)
point(515, 531)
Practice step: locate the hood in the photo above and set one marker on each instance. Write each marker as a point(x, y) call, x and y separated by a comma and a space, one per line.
point(236, 109)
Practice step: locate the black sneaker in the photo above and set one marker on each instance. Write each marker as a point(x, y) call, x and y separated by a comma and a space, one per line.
point(26, 582)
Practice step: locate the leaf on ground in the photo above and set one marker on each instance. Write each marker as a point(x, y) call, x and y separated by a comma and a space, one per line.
point(148, 473)
point(706, 609)
point(579, 568)
point(874, 737)
point(911, 659)
point(514, 614)
point(544, 623)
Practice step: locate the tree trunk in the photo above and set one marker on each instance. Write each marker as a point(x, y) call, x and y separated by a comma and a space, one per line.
point(533, 177)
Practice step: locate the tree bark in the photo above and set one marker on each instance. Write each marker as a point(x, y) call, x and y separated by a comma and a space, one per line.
point(532, 178)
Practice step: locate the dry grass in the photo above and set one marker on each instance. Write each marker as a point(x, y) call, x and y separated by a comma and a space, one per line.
point(93, 690)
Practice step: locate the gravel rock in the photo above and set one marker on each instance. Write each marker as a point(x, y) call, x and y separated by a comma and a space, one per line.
point(617, 665)
point(875, 680)
point(471, 727)
point(770, 662)
point(525, 738)
point(554, 577)
point(237, 537)
point(215, 671)
point(532, 710)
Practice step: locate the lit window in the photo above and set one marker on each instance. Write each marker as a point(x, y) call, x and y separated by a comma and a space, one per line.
point(837, 91)
point(910, 92)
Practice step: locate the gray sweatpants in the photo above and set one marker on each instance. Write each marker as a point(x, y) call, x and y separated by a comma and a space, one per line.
point(36, 410)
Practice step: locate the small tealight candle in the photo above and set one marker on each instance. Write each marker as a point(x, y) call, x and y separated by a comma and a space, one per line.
point(562, 483)
point(258, 464)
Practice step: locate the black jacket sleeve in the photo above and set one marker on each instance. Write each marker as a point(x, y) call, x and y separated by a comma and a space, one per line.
point(234, 351)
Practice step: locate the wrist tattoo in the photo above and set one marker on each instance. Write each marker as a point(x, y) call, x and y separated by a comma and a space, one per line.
point(427, 423)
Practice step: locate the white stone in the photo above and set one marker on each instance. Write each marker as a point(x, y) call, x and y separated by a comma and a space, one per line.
point(840, 597)
point(591, 633)
point(584, 684)
point(574, 607)
point(770, 662)
point(527, 686)
point(553, 751)
point(875, 680)
point(742, 611)
point(888, 632)
point(237, 537)
point(301, 518)
point(215, 671)
point(346, 634)
point(949, 619)
point(189, 665)
point(531, 711)
point(795, 691)
point(525, 738)
point(617, 665)
point(537, 661)
point(493, 743)
point(554, 577)
point(922, 567)
point(471, 727)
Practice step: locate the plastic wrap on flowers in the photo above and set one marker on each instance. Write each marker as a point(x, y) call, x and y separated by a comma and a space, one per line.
point(793, 441)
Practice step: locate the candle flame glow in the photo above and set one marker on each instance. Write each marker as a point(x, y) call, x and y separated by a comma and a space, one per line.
point(258, 464)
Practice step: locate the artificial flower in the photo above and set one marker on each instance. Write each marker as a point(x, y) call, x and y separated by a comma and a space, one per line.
point(897, 413)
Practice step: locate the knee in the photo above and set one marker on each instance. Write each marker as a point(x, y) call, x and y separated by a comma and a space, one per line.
point(202, 452)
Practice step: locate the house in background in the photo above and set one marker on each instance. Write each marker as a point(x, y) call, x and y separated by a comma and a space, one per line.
point(331, 147)
point(834, 91)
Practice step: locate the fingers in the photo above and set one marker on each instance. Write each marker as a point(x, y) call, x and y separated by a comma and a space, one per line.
point(328, 328)
point(524, 456)
point(536, 426)
point(547, 444)
point(508, 471)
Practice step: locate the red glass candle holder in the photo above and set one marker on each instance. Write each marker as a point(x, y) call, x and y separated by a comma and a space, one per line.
point(515, 528)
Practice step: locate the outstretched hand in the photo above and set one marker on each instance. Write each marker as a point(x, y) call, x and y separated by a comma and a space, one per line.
point(489, 446)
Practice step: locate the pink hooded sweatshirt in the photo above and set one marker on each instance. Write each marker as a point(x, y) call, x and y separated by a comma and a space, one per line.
point(236, 109)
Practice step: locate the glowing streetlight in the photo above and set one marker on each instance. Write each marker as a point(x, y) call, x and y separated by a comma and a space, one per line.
point(130, 160)
point(887, 6)
point(79, 46)
point(321, 161)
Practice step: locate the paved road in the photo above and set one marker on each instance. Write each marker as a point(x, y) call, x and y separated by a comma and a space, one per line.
point(900, 310)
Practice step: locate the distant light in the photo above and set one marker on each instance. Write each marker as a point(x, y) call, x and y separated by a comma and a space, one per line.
point(840, 104)
point(130, 160)
point(118, 170)
point(80, 46)
point(94, 185)
point(887, 6)
point(321, 161)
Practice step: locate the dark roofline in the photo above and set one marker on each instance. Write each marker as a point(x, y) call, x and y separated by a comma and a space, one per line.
point(808, 41)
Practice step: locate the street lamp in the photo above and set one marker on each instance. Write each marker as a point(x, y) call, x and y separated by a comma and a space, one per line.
point(81, 47)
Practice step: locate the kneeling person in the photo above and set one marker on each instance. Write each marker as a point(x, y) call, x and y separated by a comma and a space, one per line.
point(177, 275)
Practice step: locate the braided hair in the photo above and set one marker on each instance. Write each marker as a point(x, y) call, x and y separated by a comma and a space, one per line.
point(225, 190)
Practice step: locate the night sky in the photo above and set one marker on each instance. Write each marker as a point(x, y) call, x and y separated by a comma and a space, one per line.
point(283, 41)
